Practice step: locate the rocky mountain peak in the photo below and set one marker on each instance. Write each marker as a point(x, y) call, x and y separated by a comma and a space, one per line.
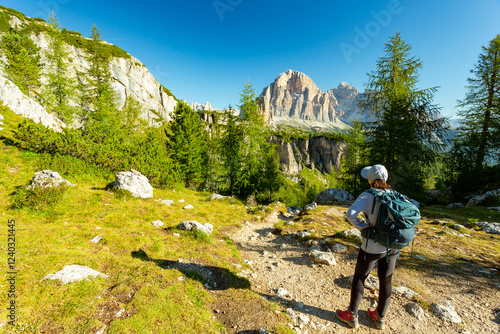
point(293, 95)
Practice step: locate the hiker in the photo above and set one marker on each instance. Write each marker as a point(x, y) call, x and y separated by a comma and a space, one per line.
point(370, 253)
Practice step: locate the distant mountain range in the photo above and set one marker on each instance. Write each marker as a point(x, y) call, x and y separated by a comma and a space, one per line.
point(294, 99)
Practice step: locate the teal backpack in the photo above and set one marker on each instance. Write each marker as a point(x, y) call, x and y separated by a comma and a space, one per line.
point(396, 220)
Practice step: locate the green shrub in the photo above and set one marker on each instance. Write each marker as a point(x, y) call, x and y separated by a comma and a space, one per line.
point(37, 198)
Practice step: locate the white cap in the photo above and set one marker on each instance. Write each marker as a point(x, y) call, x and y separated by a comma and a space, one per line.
point(375, 172)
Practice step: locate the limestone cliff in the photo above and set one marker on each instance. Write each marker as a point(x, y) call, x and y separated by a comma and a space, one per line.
point(293, 95)
point(315, 153)
point(129, 76)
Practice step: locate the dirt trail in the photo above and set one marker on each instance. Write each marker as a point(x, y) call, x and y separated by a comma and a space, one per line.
point(316, 291)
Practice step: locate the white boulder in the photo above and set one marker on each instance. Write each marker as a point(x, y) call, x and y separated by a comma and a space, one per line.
point(134, 182)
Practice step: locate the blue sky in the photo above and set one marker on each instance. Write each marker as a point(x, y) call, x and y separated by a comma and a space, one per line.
point(207, 50)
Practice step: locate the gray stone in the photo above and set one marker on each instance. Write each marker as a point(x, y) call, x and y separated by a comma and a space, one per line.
point(217, 197)
point(97, 239)
point(332, 195)
point(458, 226)
point(492, 228)
point(339, 248)
point(352, 233)
point(311, 207)
point(167, 202)
point(446, 311)
point(415, 310)
point(188, 207)
point(190, 225)
point(303, 234)
point(476, 200)
point(157, 223)
point(371, 282)
point(134, 182)
point(74, 273)
point(289, 223)
point(1, 118)
point(454, 205)
point(46, 179)
point(323, 257)
point(282, 292)
point(405, 292)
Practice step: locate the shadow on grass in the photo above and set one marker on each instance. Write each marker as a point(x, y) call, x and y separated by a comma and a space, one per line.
point(212, 278)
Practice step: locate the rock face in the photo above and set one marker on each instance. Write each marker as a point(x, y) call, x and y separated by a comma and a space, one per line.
point(129, 77)
point(200, 107)
point(21, 104)
point(331, 195)
point(134, 182)
point(46, 179)
point(316, 153)
point(293, 94)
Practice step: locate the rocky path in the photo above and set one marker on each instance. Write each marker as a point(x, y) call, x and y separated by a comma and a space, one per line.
point(283, 271)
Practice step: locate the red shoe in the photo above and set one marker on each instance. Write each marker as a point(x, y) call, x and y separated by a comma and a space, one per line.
point(379, 322)
point(348, 318)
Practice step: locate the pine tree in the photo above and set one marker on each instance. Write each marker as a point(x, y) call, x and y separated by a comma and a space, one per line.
point(23, 61)
point(60, 88)
point(187, 144)
point(480, 110)
point(408, 129)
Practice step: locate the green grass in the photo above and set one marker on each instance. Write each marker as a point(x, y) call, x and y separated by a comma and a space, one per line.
point(55, 231)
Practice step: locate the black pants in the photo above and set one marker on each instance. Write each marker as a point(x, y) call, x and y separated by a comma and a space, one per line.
point(385, 271)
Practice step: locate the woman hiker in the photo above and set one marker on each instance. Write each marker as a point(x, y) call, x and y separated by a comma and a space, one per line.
point(370, 253)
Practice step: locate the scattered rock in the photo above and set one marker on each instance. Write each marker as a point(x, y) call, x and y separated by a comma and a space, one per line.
point(446, 311)
point(97, 239)
point(371, 282)
point(311, 207)
point(354, 232)
point(493, 228)
point(167, 202)
point(190, 225)
point(405, 292)
point(476, 200)
point(339, 248)
point(494, 208)
point(157, 223)
point(415, 310)
point(176, 234)
point(454, 205)
point(289, 223)
point(74, 273)
point(188, 207)
point(46, 179)
point(303, 234)
point(323, 257)
point(102, 330)
point(332, 195)
point(217, 197)
point(434, 193)
point(134, 182)
point(282, 292)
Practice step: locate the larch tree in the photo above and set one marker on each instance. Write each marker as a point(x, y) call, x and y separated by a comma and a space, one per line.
point(409, 130)
point(480, 109)
point(23, 61)
point(60, 88)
